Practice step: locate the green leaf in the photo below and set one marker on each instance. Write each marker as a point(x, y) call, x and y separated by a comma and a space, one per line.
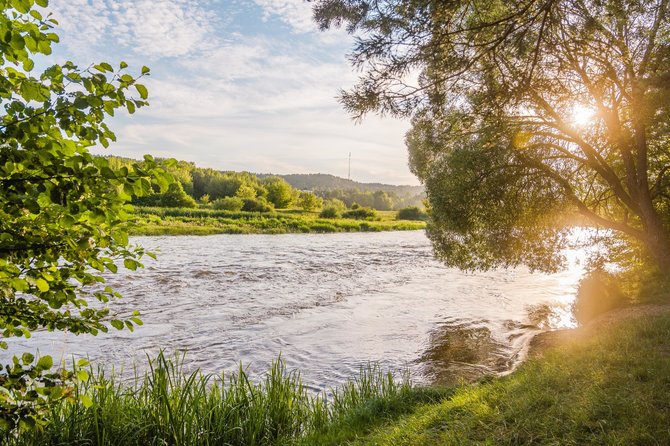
point(42, 3)
point(117, 324)
point(42, 285)
point(86, 401)
point(82, 375)
point(145, 70)
point(27, 358)
point(45, 362)
point(28, 64)
point(142, 90)
point(130, 264)
point(19, 284)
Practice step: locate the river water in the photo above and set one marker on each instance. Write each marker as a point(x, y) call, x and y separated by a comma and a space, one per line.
point(328, 303)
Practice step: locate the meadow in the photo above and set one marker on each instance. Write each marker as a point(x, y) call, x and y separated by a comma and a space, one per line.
point(201, 221)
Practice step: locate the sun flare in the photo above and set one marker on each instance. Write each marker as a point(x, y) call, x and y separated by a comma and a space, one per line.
point(581, 115)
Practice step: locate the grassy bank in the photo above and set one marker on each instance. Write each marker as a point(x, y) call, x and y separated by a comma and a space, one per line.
point(169, 407)
point(609, 384)
point(606, 385)
point(185, 221)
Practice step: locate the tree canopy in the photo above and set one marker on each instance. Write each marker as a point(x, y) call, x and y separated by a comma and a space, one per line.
point(62, 210)
point(524, 113)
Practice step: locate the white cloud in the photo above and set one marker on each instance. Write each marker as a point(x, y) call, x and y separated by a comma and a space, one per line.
point(151, 28)
point(296, 13)
point(241, 97)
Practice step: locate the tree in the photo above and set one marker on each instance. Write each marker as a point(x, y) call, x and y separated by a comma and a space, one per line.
point(246, 192)
point(523, 113)
point(63, 212)
point(280, 193)
point(382, 201)
point(176, 197)
point(309, 202)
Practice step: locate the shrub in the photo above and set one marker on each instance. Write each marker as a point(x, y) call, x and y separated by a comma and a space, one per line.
point(257, 205)
point(309, 202)
point(411, 213)
point(361, 213)
point(597, 294)
point(228, 204)
point(335, 203)
point(329, 212)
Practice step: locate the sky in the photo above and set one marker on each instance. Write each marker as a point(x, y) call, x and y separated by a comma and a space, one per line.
point(234, 85)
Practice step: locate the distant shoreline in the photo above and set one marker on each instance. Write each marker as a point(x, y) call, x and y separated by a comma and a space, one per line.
point(180, 221)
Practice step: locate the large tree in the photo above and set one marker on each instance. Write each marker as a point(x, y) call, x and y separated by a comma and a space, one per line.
point(63, 212)
point(523, 112)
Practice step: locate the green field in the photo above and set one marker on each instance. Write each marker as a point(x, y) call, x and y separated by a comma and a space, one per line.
point(186, 221)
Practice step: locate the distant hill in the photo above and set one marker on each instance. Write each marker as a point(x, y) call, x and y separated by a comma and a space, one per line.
point(324, 182)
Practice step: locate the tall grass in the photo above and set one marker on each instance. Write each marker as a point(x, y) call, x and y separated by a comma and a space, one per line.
point(178, 221)
point(168, 406)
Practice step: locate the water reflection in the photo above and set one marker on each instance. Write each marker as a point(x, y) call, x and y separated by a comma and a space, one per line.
point(463, 351)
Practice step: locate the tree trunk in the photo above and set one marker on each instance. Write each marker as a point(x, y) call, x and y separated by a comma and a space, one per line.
point(659, 246)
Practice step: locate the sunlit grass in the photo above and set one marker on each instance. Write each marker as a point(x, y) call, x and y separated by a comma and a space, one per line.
point(185, 221)
point(169, 406)
point(609, 388)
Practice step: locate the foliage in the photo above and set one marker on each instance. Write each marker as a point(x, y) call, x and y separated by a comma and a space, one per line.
point(178, 221)
point(279, 192)
point(329, 212)
point(523, 113)
point(198, 183)
point(411, 213)
point(174, 197)
point(335, 203)
point(597, 294)
point(169, 406)
point(246, 192)
point(309, 202)
point(228, 204)
point(257, 205)
point(360, 213)
point(62, 211)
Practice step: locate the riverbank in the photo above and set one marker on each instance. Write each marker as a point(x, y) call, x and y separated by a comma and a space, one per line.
point(185, 221)
point(605, 383)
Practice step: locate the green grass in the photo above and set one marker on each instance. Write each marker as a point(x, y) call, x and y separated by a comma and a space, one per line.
point(609, 387)
point(168, 406)
point(199, 221)
point(612, 388)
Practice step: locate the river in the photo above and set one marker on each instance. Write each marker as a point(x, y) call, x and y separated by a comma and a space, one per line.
point(329, 304)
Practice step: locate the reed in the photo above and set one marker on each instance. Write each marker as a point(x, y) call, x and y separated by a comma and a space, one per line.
point(169, 406)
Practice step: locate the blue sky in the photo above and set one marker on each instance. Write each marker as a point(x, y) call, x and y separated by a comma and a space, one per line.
point(235, 85)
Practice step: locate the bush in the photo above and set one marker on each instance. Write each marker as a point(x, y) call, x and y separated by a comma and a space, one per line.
point(329, 212)
point(361, 213)
point(411, 213)
point(228, 204)
point(335, 203)
point(257, 205)
point(597, 294)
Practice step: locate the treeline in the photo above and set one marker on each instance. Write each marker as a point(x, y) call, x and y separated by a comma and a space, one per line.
point(229, 190)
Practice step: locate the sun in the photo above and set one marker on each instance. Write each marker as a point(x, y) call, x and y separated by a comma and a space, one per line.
point(581, 115)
